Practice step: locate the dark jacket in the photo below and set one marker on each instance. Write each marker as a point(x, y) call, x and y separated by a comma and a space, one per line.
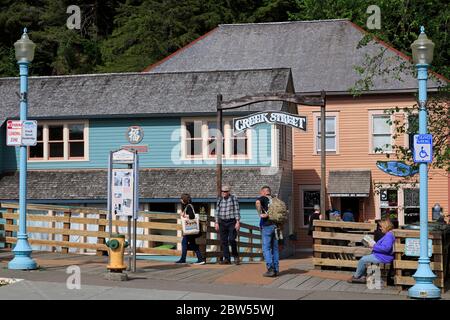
point(314, 216)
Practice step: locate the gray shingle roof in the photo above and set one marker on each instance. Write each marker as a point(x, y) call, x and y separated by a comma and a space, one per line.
point(341, 182)
point(321, 54)
point(136, 94)
point(154, 183)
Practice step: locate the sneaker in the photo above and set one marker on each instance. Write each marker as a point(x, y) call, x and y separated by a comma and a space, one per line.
point(224, 261)
point(200, 262)
point(180, 262)
point(237, 261)
point(357, 280)
point(275, 273)
point(270, 273)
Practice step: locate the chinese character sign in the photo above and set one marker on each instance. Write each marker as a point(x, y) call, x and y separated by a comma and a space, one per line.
point(135, 134)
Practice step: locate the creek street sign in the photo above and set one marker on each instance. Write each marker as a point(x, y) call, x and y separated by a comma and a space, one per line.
point(273, 117)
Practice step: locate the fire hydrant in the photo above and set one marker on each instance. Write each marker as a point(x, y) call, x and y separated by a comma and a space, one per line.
point(116, 245)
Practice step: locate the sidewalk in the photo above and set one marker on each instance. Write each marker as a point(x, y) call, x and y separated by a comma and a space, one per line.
point(164, 280)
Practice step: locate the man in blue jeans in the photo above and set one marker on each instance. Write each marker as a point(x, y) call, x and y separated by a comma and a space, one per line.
point(268, 233)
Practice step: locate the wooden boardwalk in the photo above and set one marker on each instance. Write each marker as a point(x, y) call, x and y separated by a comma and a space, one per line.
point(296, 274)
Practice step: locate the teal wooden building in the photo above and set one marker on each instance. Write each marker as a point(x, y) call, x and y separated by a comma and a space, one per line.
point(168, 117)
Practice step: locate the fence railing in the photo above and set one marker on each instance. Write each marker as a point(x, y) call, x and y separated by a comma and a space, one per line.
point(82, 229)
point(249, 242)
point(338, 243)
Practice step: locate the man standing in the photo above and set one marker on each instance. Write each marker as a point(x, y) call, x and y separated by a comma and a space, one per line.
point(227, 224)
point(268, 233)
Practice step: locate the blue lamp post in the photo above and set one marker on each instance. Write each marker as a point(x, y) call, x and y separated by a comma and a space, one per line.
point(422, 51)
point(22, 251)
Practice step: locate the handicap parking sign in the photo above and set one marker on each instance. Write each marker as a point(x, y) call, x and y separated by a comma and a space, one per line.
point(423, 148)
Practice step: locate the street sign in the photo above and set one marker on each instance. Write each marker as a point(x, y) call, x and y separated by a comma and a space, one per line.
point(412, 247)
point(13, 133)
point(29, 133)
point(273, 117)
point(423, 148)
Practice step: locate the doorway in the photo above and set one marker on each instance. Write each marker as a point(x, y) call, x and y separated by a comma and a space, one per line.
point(351, 203)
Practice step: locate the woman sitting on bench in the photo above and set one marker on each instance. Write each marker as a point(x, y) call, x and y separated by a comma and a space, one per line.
point(382, 252)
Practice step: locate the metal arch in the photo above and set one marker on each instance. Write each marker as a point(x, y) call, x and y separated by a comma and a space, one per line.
point(273, 96)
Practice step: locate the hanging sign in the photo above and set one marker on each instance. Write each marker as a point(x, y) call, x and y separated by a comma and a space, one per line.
point(273, 117)
point(396, 168)
point(122, 191)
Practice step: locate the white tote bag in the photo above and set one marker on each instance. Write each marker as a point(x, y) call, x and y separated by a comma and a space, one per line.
point(191, 226)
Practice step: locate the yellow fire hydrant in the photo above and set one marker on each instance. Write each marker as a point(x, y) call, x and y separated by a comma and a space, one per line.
point(116, 245)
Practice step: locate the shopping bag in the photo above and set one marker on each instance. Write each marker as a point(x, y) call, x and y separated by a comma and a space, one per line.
point(191, 226)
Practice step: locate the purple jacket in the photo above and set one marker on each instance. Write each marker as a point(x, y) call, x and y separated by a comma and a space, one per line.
point(384, 248)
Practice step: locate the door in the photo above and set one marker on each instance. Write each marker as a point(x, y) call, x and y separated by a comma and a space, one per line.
point(352, 204)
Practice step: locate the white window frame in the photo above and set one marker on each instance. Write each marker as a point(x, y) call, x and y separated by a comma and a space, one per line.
point(302, 189)
point(372, 114)
point(316, 117)
point(228, 132)
point(400, 198)
point(65, 125)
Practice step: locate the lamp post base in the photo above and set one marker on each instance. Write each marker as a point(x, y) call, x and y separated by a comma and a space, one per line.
point(22, 255)
point(424, 287)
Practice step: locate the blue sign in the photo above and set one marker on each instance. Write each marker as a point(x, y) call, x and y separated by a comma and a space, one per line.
point(412, 247)
point(423, 148)
point(396, 168)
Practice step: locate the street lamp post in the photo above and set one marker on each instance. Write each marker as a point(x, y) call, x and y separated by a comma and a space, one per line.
point(422, 51)
point(22, 251)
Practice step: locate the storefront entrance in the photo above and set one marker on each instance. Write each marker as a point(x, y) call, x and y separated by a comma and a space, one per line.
point(352, 204)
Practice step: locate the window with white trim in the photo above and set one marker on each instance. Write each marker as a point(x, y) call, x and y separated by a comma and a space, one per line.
point(381, 133)
point(200, 140)
point(60, 141)
point(389, 204)
point(310, 198)
point(411, 205)
point(330, 134)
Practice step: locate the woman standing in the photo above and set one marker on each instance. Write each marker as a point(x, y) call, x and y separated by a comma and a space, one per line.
point(188, 242)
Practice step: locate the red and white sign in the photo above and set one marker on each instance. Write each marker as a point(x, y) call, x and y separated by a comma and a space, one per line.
point(14, 133)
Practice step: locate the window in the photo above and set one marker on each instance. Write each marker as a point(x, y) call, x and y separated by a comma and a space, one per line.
point(389, 204)
point(212, 139)
point(331, 129)
point(239, 144)
point(200, 138)
point(381, 133)
point(411, 204)
point(60, 141)
point(413, 128)
point(310, 199)
point(37, 152)
point(56, 141)
point(194, 140)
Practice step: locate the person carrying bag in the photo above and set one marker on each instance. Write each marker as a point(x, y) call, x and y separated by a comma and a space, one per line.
point(191, 230)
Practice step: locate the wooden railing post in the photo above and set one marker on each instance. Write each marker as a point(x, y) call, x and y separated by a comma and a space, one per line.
point(251, 243)
point(66, 225)
point(9, 222)
point(101, 239)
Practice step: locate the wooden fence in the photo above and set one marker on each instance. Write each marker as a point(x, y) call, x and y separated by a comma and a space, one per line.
point(405, 266)
point(338, 243)
point(64, 222)
point(248, 241)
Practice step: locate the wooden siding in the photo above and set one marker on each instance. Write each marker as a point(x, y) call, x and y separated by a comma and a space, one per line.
point(162, 136)
point(353, 152)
